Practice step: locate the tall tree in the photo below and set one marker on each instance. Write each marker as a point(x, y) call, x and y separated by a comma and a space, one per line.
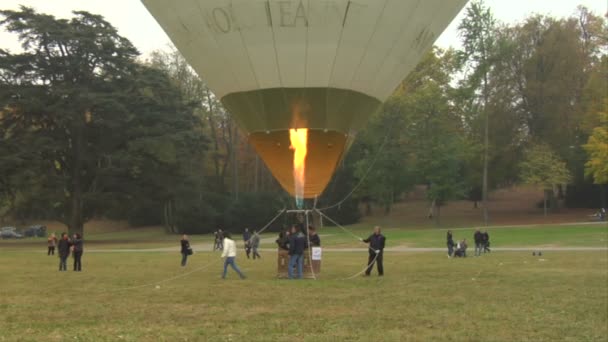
point(95, 120)
point(478, 31)
point(597, 148)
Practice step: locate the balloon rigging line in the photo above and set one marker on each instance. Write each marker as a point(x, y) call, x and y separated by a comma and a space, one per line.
point(360, 239)
point(165, 280)
point(369, 169)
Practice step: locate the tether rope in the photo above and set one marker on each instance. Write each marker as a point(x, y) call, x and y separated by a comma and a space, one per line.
point(369, 169)
point(360, 239)
point(191, 272)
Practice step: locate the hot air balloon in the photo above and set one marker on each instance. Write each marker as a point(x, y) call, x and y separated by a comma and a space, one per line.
point(301, 77)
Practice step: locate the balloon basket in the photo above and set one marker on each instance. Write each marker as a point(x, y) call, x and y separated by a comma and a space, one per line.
point(307, 272)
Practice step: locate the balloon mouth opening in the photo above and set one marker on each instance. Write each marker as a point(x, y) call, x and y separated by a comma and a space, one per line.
point(302, 160)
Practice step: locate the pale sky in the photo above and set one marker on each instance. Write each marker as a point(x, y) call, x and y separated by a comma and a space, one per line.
point(134, 22)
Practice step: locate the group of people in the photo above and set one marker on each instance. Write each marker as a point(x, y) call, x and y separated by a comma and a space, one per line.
point(459, 250)
point(295, 242)
point(64, 246)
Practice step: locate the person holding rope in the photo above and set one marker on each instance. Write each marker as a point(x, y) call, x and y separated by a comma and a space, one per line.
point(376, 249)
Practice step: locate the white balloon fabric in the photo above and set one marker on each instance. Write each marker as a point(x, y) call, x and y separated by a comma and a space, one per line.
point(323, 65)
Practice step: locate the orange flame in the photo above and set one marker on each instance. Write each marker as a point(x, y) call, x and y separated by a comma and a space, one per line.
point(299, 139)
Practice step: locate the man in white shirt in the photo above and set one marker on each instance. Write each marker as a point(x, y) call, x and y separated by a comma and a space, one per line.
point(229, 253)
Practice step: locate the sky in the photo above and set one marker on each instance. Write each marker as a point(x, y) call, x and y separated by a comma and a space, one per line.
point(134, 22)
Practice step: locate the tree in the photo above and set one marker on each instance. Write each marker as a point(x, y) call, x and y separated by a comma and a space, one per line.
point(478, 30)
point(93, 119)
point(543, 168)
point(383, 164)
point(597, 149)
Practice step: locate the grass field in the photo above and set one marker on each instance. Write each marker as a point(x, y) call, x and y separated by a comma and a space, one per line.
point(502, 296)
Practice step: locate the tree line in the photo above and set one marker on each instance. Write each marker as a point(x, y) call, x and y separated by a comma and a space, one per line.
point(89, 129)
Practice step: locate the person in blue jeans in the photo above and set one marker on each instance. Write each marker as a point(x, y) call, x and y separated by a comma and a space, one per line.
point(229, 255)
point(297, 245)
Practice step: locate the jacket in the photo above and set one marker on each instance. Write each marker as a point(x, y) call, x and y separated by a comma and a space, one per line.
point(315, 240)
point(376, 242)
point(255, 241)
point(185, 246)
point(297, 244)
point(478, 237)
point(77, 243)
point(485, 237)
point(229, 248)
point(450, 240)
point(63, 247)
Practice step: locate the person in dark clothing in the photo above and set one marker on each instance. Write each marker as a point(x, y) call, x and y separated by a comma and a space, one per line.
point(220, 240)
point(63, 249)
point(216, 242)
point(478, 238)
point(247, 242)
point(185, 250)
point(376, 249)
point(283, 240)
point(315, 240)
point(485, 238)
point(450, 243)
point(297, 245)
point(77, 249)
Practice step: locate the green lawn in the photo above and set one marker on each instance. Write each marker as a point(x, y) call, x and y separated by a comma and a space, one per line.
point(545, 235)
point(577, 235)
point(506, 296)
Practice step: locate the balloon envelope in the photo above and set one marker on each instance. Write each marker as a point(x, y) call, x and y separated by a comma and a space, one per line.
point(325, 65)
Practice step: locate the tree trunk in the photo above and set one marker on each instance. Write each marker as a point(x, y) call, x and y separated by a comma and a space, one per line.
point(235, 164)
point(75, 223)
point(484, 191)
point(545, 202)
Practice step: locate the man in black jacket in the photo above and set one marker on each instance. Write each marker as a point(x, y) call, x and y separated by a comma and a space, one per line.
point(63, 249)
point(485, 237)
point(478, 237)
point(450, 243)
point(376, 249)
point(297, 245)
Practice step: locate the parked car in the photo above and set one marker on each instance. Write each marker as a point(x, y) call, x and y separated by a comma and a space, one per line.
point(35, 230)
point(10, 233)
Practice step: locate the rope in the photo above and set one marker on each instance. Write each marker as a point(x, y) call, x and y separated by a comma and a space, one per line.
point(369, 169)
point(360, 239)
point(165, 280)
point(268, 224)
point(312, 271)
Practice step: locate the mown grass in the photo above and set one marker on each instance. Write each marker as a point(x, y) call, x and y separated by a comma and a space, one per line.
point(506, 296)
point(595, 235)
point(576, 235)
